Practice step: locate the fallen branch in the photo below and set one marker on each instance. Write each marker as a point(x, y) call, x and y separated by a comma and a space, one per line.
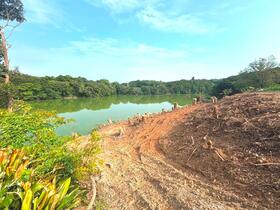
point(191, 154)
point(219, 155)
point(192, 140)
point(181, 148)
point(92, 201)
point(266, 164)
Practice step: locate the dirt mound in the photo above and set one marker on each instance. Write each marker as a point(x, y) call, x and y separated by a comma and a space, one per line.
point(234, 145)
point(207, 156)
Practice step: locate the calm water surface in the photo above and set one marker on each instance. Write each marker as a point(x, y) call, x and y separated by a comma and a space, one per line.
point(88, 113)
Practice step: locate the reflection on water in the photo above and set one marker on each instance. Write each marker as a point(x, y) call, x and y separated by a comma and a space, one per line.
point(88, 113)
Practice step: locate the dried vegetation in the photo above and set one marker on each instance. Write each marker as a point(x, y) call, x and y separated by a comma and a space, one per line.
point(234, 144)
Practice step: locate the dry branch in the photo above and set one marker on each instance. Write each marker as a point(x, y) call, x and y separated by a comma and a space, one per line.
point(92, 201)
point(192, 154)
point(219, 155)
point(266, 164)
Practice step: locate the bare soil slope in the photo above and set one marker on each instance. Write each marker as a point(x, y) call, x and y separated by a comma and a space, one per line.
point(209, 156)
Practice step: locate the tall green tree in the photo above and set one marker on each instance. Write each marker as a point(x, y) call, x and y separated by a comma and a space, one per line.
point(260, 67)
point(263, 73)
point(11, 15)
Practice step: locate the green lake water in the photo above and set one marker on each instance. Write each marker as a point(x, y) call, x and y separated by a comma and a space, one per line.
point(88, 113)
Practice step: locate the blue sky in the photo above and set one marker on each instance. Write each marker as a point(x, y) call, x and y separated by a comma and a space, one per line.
point(124, 40)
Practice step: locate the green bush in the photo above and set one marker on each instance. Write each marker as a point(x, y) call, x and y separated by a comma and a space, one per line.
point(87, 161)
point(275, 87)
point(25, 127)
point(34, 131)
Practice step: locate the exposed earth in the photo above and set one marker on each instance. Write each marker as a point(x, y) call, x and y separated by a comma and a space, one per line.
point(206, 156)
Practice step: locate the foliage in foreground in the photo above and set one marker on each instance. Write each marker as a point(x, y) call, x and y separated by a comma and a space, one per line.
point(18, 189)
point(34, 130)
point(32, 182)
point(88, 164)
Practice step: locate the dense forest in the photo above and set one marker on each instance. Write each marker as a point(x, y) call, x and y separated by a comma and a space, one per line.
point(26, 87)
point(40, 88)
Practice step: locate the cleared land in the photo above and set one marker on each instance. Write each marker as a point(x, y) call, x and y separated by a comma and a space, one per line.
point(207, 156)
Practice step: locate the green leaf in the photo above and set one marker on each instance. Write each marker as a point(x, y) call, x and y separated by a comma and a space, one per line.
point(26, 204)
point(36, 187)
point(35, 203)
point(64, 188)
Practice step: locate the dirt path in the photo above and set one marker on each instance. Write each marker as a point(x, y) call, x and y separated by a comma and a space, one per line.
point(138, 175)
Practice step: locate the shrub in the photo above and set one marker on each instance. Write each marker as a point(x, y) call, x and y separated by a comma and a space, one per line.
point(34, 130)
point(275, 87)
point(87, 161)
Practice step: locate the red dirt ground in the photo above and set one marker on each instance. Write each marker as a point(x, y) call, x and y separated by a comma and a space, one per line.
point(207, 156)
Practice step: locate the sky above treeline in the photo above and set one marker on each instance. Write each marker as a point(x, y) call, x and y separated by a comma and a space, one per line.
point(124, 40)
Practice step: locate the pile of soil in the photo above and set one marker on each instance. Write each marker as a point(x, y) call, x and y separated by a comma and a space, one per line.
point(233, 144)
point(206, 156)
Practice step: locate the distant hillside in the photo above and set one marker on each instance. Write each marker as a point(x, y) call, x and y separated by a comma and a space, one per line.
point(41, 88)
point(26, 87)
point(246, 81)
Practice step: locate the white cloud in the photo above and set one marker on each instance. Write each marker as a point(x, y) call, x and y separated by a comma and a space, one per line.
point(172, 23)
point(123, 6)
point(121, 60)
point(42, 12)
point(48, 13)
point(124, 49)
point(112, 59)
point(117, 6)
point(158, 14)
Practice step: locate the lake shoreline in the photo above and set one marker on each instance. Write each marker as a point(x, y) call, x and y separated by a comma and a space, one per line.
point(88, 113)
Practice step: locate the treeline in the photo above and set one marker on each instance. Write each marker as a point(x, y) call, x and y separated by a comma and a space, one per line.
point(249, 81)
point(41, 88)
point(260, 75)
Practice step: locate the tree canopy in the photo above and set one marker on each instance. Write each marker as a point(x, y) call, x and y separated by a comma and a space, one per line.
point(262, 64)
point(12, 10)
point(41, 88)
point(268, 79)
